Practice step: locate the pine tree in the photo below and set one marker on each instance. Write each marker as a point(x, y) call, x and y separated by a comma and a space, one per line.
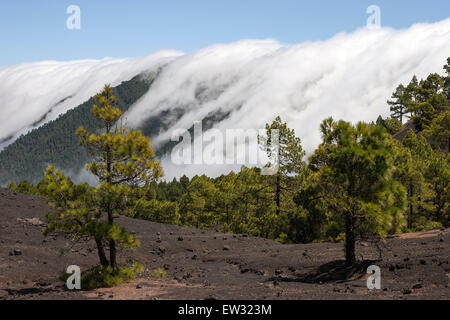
point(390, 124)
point(353, 174)
point(447, 80)
point(429, 100)
point(198, 205)
point(431, 199)
point(122, 160)
point(438, 175)
point(246, 203)
point(413, 92)
point(400, 102)
point(438, 131)
point(286, 155)
point(409, 170)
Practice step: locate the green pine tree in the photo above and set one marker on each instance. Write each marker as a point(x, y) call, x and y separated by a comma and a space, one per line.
point(122, 160)
point(400, 102)
point(286, 155)
point(353, 174)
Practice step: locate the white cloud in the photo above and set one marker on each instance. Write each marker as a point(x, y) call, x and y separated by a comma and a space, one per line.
point(349, 76)
point(31, 93)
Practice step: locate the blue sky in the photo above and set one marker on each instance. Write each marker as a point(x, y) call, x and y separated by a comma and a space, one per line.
point(32, 30)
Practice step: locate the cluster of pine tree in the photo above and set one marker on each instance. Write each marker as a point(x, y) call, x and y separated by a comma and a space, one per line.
point(426, 104)
point(362, 180)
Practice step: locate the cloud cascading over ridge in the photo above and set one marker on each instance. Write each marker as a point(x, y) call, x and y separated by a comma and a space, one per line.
point(32, 94)
point(349, 76)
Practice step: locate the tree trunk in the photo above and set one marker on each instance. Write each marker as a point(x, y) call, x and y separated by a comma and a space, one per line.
point(112, 243)
point(278, 193)
point(228, 221)
point(350, 255)
point(410, 215)
point(101, 253)
point(439, 206)
point(112, 254)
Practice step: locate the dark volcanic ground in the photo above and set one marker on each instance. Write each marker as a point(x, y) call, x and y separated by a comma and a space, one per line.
point(208, 265)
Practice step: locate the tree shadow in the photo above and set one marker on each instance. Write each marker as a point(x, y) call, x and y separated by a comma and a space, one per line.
point(331, 272)
point(28, 291)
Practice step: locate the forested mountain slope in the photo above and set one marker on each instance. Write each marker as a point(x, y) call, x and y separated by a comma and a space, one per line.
point(56, 142)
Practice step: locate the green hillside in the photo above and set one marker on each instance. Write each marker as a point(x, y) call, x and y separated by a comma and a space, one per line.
point(56, 142)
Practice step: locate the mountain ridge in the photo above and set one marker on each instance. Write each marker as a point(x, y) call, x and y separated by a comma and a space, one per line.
point(56, 142)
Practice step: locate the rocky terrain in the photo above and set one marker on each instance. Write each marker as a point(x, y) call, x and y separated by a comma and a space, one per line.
point(209, 265)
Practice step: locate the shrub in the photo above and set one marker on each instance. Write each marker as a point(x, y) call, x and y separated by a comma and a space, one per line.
point(159, 273)
point(106, 276)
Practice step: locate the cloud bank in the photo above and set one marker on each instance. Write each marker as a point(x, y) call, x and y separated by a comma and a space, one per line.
point(349, 76)
point(32, 94)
